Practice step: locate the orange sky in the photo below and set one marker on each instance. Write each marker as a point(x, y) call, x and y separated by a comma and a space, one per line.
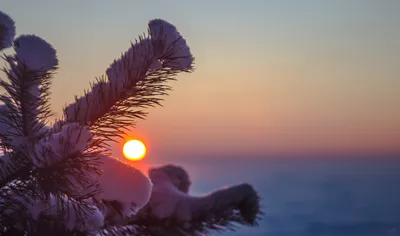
point(307, 79)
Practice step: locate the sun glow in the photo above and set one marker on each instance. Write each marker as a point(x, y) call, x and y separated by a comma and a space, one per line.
point(134, 150)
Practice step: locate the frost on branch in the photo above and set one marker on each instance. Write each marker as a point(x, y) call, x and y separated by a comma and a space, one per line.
point(7, 31)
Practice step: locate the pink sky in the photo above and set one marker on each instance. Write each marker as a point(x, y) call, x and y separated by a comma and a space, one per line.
point(282, 80)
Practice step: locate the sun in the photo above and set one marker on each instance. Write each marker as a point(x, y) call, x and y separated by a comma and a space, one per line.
point(134, 150)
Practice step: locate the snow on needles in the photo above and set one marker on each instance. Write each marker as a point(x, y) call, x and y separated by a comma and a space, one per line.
point(51, 206)
point(7, 31)
point(35, 53)
point(131, 64)
point(72, 138)
point(142, 53)
point(123, 73)
point(168, 201)
point(175, 47)
point(93, 220)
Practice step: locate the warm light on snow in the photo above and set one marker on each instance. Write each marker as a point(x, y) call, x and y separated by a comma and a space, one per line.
point(134, 150)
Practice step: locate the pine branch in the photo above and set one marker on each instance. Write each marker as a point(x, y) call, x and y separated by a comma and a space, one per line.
point(18, 198)
point(58, 180)
point(7, 31)
point(134, 82)
point(172, 211)
point(13, 165)
point(149, 225)
point(55, 159)
point(118, 231)
point(74, 172)
point(62, 168)
point(28, 85)
point(25, 203)
point(216, 221)
point(26, 101)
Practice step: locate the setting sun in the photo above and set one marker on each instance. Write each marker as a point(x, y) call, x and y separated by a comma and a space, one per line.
point(134, 150)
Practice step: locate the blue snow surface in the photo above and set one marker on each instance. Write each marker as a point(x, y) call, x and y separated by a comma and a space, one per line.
point(318, 197)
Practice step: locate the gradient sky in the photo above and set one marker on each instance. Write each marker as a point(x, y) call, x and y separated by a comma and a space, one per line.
point(273, 78)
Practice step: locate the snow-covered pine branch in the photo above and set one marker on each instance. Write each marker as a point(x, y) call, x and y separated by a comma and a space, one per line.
point(28, 86)
point(168, 200)
point(27, 92)
point(7, 31)
point(37, 208)
point(62, 165)
point(26, 101)
point(172, 211)
point(7, 34)
point(72, 138)
point(39, 166)
point(59, 180)
point(133, 82)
